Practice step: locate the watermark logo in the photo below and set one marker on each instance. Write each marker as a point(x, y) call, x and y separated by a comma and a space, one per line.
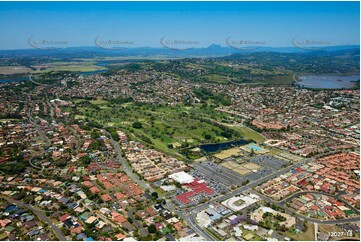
point(298, 77)
point(111, 44)
point(240, 44)
point(307, 44)
point(245, 80)
point(177, 44)
point(47, 44)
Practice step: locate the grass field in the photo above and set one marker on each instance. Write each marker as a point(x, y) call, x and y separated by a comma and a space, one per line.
point(81, 66)
point(309, 235)
point(12, 70)
point(164, 125)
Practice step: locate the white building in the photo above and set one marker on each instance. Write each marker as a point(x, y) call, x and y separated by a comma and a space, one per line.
point(181, 177)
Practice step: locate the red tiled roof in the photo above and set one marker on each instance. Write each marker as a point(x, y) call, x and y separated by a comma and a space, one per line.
point(64, 217)
point(106, 197)
point(197, 188)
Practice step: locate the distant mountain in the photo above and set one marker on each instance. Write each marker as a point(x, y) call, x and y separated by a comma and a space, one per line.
point(211, 51)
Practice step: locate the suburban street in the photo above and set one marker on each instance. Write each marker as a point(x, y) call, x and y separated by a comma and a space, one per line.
point(143, 231)
point(41, 216)
point(144, 185)
point(126, 167)
point(300, 216)
point(192, 212)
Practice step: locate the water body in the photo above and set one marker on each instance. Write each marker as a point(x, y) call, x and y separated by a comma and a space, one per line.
point(18, 79)
point(328, 81)
point(209, 148)
point(102, 63)
point(92, 72)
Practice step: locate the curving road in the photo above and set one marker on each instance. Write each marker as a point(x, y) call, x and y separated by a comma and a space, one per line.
point(41, 216)
point(190, 218)
point(303, 217)
point(144, 185)
point(337, 196)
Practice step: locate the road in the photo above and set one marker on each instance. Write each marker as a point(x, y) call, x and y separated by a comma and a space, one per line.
point(190, 218)
point(143, 231)
point(33, 165)
point(249, 185)
point(337, 196)
point(190, 221)
point(126, 167)
point(300, 216)
point(252, 184)
point(41, 216)
point(41, 132)
point(144, 185)
point(37, 83)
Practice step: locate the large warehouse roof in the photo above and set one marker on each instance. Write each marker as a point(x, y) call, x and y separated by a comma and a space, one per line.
point(182, 177)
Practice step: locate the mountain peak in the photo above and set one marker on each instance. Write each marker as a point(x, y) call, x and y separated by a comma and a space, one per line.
point(214, 46)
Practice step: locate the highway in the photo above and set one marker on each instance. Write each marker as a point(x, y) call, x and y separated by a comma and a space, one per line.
point(37, 83)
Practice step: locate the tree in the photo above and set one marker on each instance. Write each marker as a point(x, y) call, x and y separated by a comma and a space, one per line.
point(154, 195)
point(137, 125)
point(207, 136)
point(178, 185)
point(152, 229)
point(252, 152)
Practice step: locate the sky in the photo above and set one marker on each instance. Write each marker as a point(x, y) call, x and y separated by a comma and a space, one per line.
point(142, 24)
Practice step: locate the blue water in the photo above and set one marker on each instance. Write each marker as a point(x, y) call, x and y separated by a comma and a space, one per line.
point(220, 146)
point(255, 147)
point(102, 63)
point(92, 72)
point(14, 79)
point(328, 81)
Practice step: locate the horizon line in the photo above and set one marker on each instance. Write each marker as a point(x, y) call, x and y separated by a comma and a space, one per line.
point(203, 47)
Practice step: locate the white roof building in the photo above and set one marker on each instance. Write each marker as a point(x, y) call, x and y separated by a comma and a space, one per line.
point(182, 177)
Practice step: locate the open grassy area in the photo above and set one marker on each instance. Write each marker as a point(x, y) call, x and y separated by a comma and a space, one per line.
point(71, 66)
point(167, 128)
point(251, 134)
point(12, 70)
point(99, 102)
point(308, 235)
